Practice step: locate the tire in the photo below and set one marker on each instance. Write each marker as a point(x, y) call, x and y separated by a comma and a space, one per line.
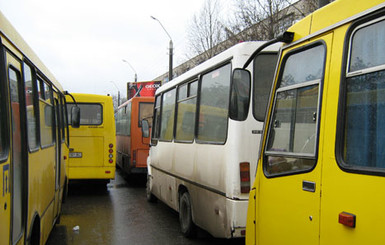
point(150, 197)
point(187, 225)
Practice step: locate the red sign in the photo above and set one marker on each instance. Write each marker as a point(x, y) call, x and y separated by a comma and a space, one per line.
point(142, 89)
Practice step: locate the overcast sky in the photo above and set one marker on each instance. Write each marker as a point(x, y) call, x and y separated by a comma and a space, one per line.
point(83, 42)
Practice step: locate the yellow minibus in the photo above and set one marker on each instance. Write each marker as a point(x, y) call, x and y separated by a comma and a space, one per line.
point(33, 143)
point(92, 152)
point(321, 168)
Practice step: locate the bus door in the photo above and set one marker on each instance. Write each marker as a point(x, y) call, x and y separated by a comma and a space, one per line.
point(58, 152)
point(5, 192)
point(288, 198)
point(353, 196)
point(18, 169)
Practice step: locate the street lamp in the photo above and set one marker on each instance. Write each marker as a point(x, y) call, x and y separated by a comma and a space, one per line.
point(118, 92)
point(136, 77)
point(170, 52)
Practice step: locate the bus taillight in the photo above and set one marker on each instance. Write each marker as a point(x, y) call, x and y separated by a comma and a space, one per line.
point(111, 155)
point(244, 169)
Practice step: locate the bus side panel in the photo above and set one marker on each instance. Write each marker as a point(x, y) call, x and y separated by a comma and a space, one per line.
point(123, 144)
point(41, 189)
point(356, 193)
point(5, 202)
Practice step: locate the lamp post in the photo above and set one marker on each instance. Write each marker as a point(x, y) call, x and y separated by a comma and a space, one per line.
point(170, 50)
point(136, 76)
point(118, 92)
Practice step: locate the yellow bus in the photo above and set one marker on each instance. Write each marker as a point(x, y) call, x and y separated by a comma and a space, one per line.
point(92, 151)
point(321, 169)
point(33, 143)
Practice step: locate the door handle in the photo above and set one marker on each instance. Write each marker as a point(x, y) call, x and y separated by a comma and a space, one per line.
point(308, 186)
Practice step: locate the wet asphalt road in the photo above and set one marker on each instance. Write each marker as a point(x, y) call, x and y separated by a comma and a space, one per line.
point(120, 214)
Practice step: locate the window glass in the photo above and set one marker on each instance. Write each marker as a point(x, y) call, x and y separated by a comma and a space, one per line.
point(126, 120)
point(193, 88)
point(240, 95)
point(16, 167)
point(145, 112)
point(294, 72)
point(214, 103)
point(32, 129)
point(292, 136)
point(3, 123)
point(167, 117)
point(90, 114)
point(185, 123)
point(364, 121)
point(182, 92)
point(46, 115)
point(156, 123)
point(264, 68)
point(367, 47)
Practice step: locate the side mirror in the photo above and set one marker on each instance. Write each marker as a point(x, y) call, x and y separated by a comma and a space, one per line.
point(145, 129)
point(75, 116)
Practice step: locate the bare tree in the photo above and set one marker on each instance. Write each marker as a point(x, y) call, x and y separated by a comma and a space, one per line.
point(206, 31)
point(265, 19)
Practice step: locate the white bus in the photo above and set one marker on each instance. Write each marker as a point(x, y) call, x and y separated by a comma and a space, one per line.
point(207, 126)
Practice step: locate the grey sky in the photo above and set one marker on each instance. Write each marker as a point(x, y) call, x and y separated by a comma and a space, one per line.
point(83, 42)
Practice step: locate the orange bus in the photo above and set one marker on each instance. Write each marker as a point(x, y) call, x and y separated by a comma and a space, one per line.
point(132, 149)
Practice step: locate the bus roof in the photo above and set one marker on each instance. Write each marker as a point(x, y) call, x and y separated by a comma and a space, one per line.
point(244, 49)
point(333, 15)
point(9, 33)
point(81, 97)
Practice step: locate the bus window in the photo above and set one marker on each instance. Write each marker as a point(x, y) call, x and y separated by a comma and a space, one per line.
point(46, 114)
point(145, 112)
point(156, 120)
point(264, 68)
point(291, 144)
point(364, 123)
point(240, 95)
point(32, 129)
point(90, 114)
point(214, 103)
point(3, 120)
point(185, 122)
point(167, 117)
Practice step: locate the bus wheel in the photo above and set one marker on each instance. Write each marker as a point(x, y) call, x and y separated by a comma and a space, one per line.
point(149, 195)
point(187, 225)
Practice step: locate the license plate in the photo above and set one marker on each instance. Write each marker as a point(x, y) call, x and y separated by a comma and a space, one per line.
point(75, 155)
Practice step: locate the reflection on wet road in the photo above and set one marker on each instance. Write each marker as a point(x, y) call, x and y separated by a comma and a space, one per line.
point(120, 214)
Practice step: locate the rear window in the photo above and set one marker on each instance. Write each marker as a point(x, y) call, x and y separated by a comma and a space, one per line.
point(90, 113)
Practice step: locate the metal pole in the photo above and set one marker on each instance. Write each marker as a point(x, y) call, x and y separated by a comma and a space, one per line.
point(170, 50)
point(136, 76)
point(170, 61)
point(118, 92)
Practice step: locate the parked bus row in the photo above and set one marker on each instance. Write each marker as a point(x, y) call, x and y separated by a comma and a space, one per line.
point(33, 143)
